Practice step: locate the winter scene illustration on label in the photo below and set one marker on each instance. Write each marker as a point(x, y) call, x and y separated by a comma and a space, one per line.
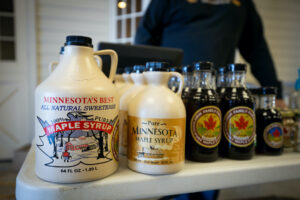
point(156, 141)
point(239, 126)
point(206, 126)
point(273, 135)
point(79, 138)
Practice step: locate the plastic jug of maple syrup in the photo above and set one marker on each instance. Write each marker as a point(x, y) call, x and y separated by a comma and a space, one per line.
point(76, 117)
point(53, 64)
point(128, 83)
point(139, 85)
point(156, 133)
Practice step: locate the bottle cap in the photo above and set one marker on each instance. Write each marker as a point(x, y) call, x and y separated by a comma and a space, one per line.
point(254, 91)
point(127, 70)
point(221, 70)
point(175, 69)
point(266, 91)
point(157, 66)
point(138, 69)
point(287, 113)
point(207, 66)
point(78, 40)
point(187, 68)
point(237, 67)
point(62, 50)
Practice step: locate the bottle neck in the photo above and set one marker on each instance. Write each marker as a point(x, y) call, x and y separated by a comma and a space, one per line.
point(221, 82)
point(157, 78)
point(236, 79)
point(138, 78)
point(188, 79)
point(202, 79)
point(267, 101)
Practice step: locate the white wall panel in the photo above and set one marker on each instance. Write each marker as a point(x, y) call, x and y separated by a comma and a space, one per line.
point(58, 18)
point(281, 19)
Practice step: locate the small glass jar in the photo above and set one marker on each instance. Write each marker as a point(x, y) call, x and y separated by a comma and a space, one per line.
point(289, 130)
point(297, 127)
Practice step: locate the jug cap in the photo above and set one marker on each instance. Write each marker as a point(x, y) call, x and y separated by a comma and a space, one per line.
point(62, 50)
point(127, 70)
point(157, 66)
point(138, 68)
point(237, 67)
point(175, 69)
point(78, 40)
point(187, 68)
point(203, 66)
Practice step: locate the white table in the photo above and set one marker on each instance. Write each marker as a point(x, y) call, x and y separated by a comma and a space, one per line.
point(126, 184)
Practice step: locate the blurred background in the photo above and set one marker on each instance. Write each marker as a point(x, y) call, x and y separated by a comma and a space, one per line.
point(32, 32)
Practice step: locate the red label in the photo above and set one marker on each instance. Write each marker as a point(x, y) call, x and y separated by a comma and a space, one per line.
point(78, 125)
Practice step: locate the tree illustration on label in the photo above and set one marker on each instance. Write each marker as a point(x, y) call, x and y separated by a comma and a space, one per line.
point(276, 133)
point(77, 139)
point(210, 124)
point(242, 123)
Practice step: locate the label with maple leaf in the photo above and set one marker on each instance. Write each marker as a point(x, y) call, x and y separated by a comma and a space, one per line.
point(239, 126)
point(273, 135)
point(206, 126)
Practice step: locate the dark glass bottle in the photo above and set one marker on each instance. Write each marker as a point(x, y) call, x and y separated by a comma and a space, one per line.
point(187, 72)
point(203, 129)
point(221, 80)
point(269, 124)
point(238, 116)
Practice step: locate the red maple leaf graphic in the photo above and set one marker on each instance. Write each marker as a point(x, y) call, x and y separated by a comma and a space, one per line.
point(276, 133)
point(242, 123)
point(210, 123)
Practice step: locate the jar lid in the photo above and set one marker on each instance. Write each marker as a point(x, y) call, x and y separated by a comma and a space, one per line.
point(237, 67)
point(287, 113)
point(127, 70)
point(78, 40)
point(138, 69)
point(206, 66)
point(266, 91)
point(157, 66)
point(187, 68)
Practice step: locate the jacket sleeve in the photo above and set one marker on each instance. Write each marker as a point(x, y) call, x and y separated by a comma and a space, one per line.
point(150, 29)
point(254, 49)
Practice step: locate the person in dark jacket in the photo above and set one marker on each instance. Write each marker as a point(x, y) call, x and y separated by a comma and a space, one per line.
point(210, 30)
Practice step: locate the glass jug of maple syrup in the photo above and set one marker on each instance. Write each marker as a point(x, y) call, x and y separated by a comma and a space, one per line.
point(203, 129)
point(156, 132)
point(76, 117)
point(238, 115)
point(269, 123)
point(221, 80)
point(187, 72)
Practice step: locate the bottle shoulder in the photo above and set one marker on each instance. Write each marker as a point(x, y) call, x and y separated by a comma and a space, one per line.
point(157, 102)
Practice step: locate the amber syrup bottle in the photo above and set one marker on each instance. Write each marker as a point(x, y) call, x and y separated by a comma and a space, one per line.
point(269, 124)
point(203, 130)
point(221, 80)
point(238, 116)
point(187, 72)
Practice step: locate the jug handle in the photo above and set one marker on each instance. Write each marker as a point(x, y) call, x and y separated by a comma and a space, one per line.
point(114, 61)
point(180, 77)
point(52, 66)
point(99, 61)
